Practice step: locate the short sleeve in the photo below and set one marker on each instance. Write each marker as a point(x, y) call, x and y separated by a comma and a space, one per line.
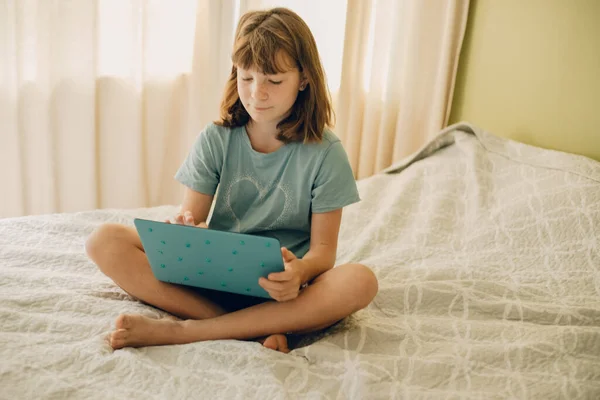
point(201, 169)
point(334, 186)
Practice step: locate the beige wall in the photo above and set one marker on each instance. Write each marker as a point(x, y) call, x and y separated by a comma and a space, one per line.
point(530, 71)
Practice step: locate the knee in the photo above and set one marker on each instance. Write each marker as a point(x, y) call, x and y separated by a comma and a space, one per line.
point(365, 284)
point(102, 239)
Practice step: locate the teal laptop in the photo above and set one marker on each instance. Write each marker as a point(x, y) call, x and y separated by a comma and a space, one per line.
point(208, 258)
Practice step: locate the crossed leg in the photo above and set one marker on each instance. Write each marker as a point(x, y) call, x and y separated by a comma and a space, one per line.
point(118, 252)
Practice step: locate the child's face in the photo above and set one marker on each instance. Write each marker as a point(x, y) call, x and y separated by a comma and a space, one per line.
point(268, 98)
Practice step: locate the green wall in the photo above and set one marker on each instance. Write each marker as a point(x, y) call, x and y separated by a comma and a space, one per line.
point(530, 71)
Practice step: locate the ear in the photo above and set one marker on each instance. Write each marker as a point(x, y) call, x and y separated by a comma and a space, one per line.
point(303, 84)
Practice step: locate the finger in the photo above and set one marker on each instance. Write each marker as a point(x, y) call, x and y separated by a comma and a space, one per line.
point(288, 297)
point(282, 296)
point(167, 221)
point(188, 218)
point(179, 219)
point(271, 286)
point(281, 276)
point(274, 296)
point(287, 255)
point(285, 296)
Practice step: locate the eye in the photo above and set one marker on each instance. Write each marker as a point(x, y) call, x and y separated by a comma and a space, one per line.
point(247, 79)
point(275, 82)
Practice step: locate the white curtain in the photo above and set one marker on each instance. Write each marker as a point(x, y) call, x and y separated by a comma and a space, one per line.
point(399, 68)
point(391, 66)
point(101, 99)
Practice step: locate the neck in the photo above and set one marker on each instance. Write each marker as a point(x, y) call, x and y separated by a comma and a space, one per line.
point(262, 131)
point(263, 137)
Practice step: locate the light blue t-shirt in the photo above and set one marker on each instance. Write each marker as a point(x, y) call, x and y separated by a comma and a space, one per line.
point(271, 194)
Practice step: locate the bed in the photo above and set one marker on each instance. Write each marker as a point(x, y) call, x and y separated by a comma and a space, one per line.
point(487, 253)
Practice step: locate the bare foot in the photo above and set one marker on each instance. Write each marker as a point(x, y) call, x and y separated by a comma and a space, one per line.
point(276, 342)
point(132, 330)
point(140, 331)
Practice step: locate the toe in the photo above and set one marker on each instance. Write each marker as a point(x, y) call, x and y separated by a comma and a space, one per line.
point(123, 321)
point(118, 339)
point(270, 343)
point(282, 344)
point(277, 342)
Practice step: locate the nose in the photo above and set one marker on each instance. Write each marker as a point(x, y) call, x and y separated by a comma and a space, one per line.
point(259, 92)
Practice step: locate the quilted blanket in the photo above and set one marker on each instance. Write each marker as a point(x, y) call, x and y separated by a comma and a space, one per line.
point(487, 253)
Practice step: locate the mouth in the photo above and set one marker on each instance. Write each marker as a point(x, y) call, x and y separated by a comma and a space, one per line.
point(261, 108)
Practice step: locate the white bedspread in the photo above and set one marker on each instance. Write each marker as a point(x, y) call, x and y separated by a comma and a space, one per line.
point(488, 257)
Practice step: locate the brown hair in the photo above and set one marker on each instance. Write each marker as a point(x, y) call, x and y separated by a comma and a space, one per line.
point(260, 39)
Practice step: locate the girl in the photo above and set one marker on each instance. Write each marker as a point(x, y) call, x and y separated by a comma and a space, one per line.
point(280, 172)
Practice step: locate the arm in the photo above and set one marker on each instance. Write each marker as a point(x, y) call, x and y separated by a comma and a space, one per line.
point(200, 173)
point(324, 232)
point(194, 208)
point(283, 286)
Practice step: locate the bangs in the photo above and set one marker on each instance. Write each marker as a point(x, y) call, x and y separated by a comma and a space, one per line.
point(261, 51)
point(278, 41)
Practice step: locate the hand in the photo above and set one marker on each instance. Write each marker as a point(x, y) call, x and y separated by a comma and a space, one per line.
point(284, 286)
point(186, 219)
